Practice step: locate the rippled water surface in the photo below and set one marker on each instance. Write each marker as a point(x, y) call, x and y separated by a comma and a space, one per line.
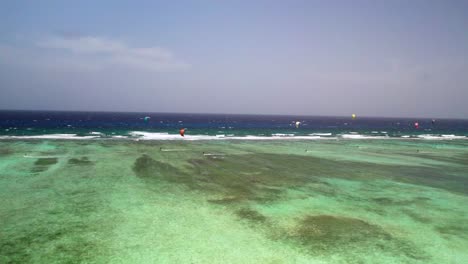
point(234, 201)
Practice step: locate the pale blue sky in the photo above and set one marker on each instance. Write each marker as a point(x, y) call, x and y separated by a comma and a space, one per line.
point(375, 58)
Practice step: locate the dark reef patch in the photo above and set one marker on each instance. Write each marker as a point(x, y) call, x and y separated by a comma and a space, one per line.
point(395, 202)
point(262, 176)
point(383, 200)
point(80, 162)
point(417, 217)
point(148, 168)
point(59, 228)
point(43, 164)
point(226, 200)
point(256, 177)
point(45, 161)
point(251, 215)
point(440, 177)
point(239, 178)
point(453, 230)
point(322, 234)
point(19, 248)
point(4, 151)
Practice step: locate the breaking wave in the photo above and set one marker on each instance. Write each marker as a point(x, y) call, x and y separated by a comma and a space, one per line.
point(144, 135)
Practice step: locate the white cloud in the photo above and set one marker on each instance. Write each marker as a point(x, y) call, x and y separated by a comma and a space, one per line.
point(83, 45)
point(97, 53)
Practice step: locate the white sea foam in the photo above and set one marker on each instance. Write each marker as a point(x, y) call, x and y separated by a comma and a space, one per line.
point(308, 137)
point(359, 136)
point(321, 134)
point(452, 136)
point(352, 136)
point(140, 135)
point(428, 136)
point(154, 136)
point(282, 135)
point(50, 136)
point(440, 137)
point(251, 137)
point(166, 136)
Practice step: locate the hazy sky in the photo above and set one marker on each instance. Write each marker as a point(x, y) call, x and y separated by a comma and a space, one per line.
point(374, 58)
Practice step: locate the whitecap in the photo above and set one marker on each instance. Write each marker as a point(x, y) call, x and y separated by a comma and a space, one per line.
point(50, 136)
point(282, 135)
point(359, 136)
point(440, 137)
point(321, 134)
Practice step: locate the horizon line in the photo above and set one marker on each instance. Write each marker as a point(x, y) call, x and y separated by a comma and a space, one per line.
point(250, 114)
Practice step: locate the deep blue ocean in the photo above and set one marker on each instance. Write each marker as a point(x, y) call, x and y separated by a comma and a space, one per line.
point(54, 124)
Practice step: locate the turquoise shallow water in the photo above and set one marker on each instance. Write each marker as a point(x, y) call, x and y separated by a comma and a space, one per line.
point(234, 201)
